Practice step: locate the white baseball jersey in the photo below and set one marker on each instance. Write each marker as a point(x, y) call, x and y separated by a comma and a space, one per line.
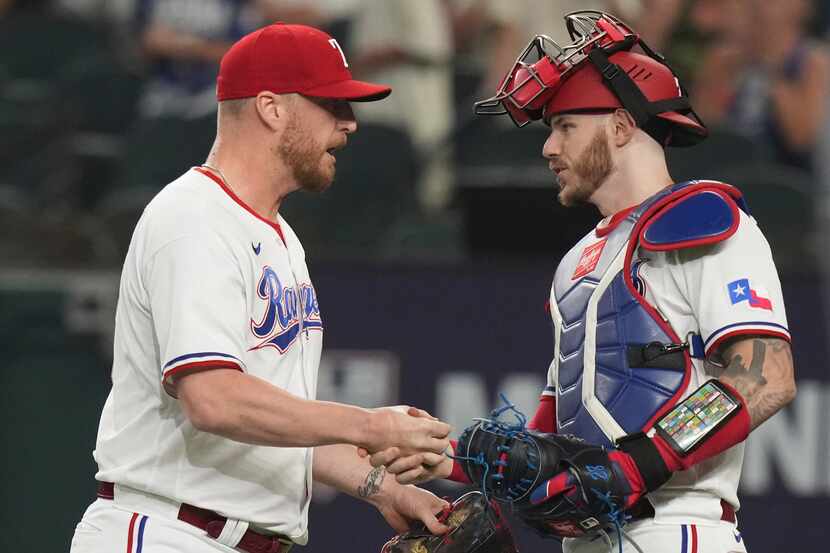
point(718, 291)
point(721, 291)
point(209, 283)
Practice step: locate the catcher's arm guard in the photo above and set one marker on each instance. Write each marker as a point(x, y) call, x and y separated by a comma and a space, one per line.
point(476, 525)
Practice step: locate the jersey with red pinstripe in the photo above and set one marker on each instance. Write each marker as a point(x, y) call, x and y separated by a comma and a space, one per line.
point(694, 290)
point(208, 283)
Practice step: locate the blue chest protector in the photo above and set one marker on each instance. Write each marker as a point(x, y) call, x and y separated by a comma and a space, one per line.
point(617, 363)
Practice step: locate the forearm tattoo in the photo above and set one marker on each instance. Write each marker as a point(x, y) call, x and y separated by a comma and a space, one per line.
point(771, 362)
point(372, 484)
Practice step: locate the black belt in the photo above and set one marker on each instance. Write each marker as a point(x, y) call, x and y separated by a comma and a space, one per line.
point(213, 523)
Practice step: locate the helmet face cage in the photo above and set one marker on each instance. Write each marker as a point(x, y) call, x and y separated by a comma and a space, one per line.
point(544, 64)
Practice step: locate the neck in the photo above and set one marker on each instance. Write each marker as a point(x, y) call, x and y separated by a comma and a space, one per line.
point(635, 178)
point(253, 174)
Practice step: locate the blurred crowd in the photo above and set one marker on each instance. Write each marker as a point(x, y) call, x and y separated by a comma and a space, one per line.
point(102, 102)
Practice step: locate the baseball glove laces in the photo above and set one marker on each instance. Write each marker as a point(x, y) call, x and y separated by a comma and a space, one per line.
point(559, 485)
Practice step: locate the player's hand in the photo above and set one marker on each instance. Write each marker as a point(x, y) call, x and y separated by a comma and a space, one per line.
point(409, 410)
point(414, 469)
point(409, 429)
point(410, 503)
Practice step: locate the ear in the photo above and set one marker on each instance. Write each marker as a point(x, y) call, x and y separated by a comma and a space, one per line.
point(271, 109)
point(623, 127)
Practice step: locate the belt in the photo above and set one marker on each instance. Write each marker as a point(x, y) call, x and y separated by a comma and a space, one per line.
point(214, 523)
point(643, 509)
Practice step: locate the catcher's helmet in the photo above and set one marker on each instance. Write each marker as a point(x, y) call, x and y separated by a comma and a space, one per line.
point(598, 71)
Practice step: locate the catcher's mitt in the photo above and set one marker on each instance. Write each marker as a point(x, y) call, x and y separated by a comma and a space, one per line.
point(557, 484)
point(476, 526)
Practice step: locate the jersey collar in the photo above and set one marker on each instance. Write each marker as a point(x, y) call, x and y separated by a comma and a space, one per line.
point(614, 221)
point(218, 180)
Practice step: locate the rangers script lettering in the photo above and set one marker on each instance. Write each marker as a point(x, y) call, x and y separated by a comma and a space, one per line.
point(286, 311)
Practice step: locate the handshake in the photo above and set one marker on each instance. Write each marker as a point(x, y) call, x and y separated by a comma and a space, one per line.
point(557, 484)
point(411, 444)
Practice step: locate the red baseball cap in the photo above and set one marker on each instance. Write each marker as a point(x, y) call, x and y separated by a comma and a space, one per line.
point(285, 58)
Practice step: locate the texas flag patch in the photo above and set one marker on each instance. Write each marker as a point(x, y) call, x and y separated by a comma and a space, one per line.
point(740, 290)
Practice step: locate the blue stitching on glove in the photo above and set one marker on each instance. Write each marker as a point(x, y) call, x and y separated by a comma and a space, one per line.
point(501, 427)
point(618, 517)
point(520, 417)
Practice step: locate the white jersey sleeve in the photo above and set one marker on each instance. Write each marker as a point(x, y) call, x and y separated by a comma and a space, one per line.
point(197, 297)
point(733, 287)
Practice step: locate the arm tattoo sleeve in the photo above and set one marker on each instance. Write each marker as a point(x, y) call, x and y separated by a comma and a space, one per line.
point(766, 383)
point(371, 485)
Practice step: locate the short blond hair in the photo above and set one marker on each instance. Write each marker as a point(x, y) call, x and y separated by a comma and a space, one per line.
point(233, 108)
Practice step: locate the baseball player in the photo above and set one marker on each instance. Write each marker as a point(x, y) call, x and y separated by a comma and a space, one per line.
point(211, 435)
point(671, 339)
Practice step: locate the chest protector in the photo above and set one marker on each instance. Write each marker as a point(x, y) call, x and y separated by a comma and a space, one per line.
point(618, 364)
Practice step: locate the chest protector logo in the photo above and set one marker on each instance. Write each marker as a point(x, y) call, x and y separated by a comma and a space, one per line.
point(617, 364)
point(288, 311)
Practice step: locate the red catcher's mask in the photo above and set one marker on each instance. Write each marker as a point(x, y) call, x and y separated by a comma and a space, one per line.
point(597, 71)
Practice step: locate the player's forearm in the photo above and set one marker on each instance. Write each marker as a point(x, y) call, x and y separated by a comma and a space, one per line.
point(761, 369)
point(247, 409)
point(340, 466)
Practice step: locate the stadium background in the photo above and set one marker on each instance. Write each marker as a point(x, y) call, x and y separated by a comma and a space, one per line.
point(432, 254)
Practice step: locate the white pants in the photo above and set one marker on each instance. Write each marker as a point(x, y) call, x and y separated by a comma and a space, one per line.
point(109, 528)
point(652, 537)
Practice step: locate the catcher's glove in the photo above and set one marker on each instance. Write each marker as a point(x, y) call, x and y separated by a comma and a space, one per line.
point(476, 526)
point(557, 484)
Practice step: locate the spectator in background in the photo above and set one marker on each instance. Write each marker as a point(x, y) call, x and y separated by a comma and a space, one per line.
point(409, 46)
point(183, 41)
point(768, 80)
point(492, 31)
point(682, 30)
point(106, 11)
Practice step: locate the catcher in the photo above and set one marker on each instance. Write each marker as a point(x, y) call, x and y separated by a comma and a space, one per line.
point(671, 338)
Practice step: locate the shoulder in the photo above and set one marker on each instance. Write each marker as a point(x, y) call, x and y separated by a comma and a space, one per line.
point(185, 211)
point(702, 214)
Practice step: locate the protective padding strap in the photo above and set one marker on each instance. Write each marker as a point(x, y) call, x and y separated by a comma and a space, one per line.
point(630, 96)
point(697, 348)
point(734, 431)
point(647, 457)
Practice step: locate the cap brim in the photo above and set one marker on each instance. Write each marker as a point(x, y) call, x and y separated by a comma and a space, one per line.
point(351, 90)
